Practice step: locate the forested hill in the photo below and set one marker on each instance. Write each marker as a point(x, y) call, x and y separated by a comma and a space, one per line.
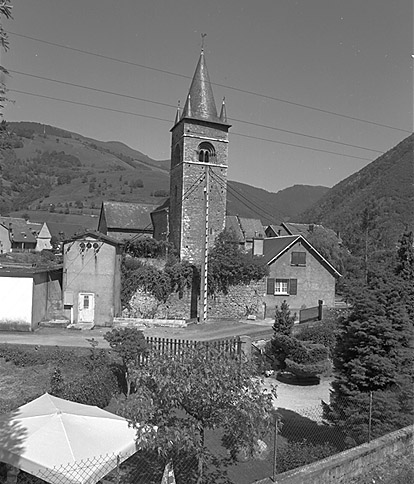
point(45, 168)
point(377, 200)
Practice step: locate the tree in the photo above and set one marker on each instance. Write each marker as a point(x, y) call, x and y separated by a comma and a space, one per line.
point(283, 320)
point(186, 395)
point(230, 266)
point(374, 353)
point(130, 344)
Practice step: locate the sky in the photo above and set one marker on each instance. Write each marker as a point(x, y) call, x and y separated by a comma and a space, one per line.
point(315, 89)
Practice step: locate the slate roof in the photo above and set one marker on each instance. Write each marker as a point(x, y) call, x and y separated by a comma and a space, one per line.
point(21, 231)
point(68, 230)
point(252, 228)
point(95, 235)
point(232, 223)
point(245, 228)
point(124, 215)
point(304, 229)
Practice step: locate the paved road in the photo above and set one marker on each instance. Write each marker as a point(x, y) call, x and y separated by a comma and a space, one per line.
point(202, 332)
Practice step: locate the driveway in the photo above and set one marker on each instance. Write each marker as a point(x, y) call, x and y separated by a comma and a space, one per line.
point(199, 332)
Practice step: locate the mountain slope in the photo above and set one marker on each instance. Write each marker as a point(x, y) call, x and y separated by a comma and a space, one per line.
point(64, 172)
point(252, 202)
point(379, 199)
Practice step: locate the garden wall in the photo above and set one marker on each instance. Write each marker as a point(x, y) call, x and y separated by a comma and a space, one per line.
point(340, 468)
point(240, 302)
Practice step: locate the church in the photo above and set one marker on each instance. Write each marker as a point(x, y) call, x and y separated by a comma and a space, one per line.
point(196, 211)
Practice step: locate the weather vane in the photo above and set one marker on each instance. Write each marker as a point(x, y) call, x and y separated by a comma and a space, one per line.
point(202, 40)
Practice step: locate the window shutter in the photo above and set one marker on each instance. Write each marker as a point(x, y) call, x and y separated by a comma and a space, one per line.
point(270, 286)
point(293, 287)
point(298, 259)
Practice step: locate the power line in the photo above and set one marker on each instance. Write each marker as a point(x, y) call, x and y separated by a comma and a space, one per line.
point(241, 198)
point(172, 106)
point(169, 121)
point(163, 71)
point(113, 93)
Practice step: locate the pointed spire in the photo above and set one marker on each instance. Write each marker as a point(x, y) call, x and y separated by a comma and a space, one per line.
point(223, 112)
point(178, 113)
point(203, 105)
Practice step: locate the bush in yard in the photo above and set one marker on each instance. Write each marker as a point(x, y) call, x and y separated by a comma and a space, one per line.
point(324, 334)
point(300, 358)
point(284, 321)
point(93, 388)
point(129, 344)
point(297, 454)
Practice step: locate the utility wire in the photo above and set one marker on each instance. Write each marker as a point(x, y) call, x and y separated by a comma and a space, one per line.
point(172, 106)
point(241, 198)
point(169, 121)
point(122, 61)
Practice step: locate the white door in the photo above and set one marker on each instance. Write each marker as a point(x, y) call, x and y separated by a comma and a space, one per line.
point(86, 308)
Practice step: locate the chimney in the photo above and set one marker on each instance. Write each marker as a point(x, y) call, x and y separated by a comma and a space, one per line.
point(310, 228)
point(258, 247)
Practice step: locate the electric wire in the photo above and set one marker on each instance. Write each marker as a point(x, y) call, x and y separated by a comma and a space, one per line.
point(242, 198)
point(169, 121)
point(164, 71)
point(127, 96)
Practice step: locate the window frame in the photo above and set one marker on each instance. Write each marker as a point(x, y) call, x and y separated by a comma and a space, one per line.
point(298, 258)
point(292, 286)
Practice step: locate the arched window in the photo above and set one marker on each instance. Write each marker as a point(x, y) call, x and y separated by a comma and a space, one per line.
point(206, 152)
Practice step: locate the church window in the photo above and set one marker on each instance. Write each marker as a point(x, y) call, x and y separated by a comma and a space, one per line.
point(206, 152)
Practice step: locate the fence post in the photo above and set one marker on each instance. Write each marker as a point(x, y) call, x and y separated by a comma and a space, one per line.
point(370, 417)
point(246, 347)
point(117, 480)
point(275, 450)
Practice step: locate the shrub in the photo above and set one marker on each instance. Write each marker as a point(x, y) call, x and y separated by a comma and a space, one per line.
point(324, 334)
point(297, 454)
point(93, 388)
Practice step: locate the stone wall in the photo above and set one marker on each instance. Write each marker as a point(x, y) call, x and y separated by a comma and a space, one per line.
point(341, 468)
point(240, 302)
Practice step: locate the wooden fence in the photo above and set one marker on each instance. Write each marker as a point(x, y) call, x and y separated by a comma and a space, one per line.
point(176, 347)
point(311, 314)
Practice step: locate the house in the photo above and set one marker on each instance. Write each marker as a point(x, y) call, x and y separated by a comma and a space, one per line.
point(28, 295)
point(298, 274)
point(92, 278)
point(245, 230)
point(290, 228)
point(125, 221)
point(159, 218)
point(19, 235)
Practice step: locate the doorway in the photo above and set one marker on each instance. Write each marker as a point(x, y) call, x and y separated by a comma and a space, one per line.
point(86, 307)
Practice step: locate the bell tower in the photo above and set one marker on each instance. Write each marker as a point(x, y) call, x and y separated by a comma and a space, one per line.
point(199, 160)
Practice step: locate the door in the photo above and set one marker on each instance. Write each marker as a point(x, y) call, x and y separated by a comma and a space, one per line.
point(86, 308)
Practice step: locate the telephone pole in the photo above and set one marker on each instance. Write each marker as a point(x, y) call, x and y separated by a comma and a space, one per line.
point(204, 260)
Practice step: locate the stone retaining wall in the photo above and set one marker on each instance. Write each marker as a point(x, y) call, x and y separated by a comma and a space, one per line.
point(340, 468)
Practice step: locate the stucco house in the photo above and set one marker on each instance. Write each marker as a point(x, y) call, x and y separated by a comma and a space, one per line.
point(19, 235)
point(298, 274)
point(124, 221)
point(92, 278)
point(28, 296)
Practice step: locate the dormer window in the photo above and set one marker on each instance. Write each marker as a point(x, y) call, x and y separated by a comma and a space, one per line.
point(206, 153)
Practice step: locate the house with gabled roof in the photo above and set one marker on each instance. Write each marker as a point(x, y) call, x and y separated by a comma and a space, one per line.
point(126, 220)
point(290, 228)
point(92, 278)
point(245, 230)
point(17, 234)
point(298, 274)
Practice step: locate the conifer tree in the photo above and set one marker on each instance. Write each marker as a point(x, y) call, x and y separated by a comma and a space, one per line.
point(373, 358)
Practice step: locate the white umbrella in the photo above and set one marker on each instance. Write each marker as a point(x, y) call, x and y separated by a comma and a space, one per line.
point(64, 442)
